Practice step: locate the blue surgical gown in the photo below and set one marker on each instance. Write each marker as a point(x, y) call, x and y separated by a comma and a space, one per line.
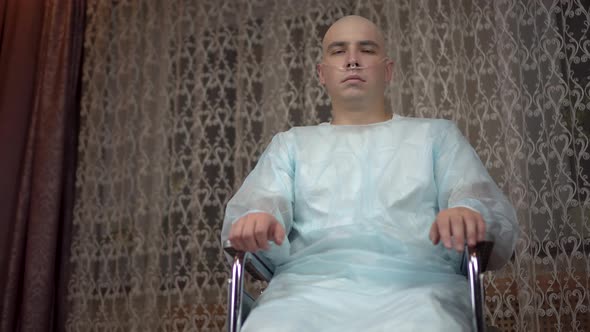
point(357, 202)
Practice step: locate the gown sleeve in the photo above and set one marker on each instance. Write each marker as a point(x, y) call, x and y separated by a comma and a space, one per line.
point(463, 181)
point(268, 188)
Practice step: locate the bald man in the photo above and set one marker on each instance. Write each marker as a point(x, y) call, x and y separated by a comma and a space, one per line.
point(365, 217)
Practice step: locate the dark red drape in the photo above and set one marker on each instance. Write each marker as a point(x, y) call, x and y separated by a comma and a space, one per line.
point(40, 59)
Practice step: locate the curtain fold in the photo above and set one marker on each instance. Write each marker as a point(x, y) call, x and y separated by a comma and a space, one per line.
point(181, 97)
point(40, 56)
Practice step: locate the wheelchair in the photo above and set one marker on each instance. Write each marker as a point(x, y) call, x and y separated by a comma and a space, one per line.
point(473, 264)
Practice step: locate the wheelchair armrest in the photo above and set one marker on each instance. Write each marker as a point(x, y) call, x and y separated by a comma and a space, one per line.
point(481, 252)
point(257, 265)
point(240, 302)
point(473, 264)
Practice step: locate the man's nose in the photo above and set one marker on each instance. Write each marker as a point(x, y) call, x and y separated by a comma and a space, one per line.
point(352, 60)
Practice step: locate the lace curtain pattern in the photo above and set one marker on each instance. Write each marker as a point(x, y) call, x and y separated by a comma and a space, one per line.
point(181, 97)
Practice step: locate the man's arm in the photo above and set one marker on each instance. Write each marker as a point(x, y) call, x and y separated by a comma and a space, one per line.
point(262, 209)
point(471, 204)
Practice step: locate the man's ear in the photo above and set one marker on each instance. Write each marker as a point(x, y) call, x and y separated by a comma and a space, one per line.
point(388, 70)
point(321, 74)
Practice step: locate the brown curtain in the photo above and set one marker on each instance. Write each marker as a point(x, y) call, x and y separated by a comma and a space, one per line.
point(40, 61)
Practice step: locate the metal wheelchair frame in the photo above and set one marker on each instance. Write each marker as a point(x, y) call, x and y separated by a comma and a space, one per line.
point(473, 265)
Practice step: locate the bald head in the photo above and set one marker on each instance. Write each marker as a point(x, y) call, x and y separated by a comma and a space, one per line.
point(353, 26)
point(355, 70)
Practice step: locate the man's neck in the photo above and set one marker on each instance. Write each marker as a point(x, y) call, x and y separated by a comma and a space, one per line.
point(350, 114)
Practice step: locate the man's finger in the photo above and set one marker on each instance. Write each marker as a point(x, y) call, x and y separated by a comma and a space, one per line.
point(458, 231)
point(434, 235)
point(261, 233)
point(248, 236)
point(277, 233)
point(471, 230)
point(481, 228)
point(235, 235)
point(444, 229)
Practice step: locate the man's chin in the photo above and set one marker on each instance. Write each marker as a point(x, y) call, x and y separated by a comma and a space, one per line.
point(360, 98)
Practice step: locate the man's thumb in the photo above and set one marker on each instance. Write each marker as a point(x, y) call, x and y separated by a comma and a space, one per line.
point(278, 233)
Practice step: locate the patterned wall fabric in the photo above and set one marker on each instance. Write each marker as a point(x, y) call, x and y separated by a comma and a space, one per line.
point(181, 97)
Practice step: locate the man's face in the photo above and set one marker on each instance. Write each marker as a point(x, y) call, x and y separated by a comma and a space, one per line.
point(349, 43)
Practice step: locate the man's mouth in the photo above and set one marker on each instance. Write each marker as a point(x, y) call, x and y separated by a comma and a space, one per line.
point(353, 78)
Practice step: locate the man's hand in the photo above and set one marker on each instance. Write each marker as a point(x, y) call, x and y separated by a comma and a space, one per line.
point(253, 231)
point(458, 223)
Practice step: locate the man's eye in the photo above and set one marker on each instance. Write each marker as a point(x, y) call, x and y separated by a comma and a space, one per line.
point(338, 52)
point(369, 51)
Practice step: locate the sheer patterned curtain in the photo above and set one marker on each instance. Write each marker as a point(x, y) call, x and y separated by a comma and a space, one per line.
point(180, 98)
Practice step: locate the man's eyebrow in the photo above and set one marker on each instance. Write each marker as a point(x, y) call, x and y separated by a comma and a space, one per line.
point(337, 44)
point(369, 43)
point(361, 43)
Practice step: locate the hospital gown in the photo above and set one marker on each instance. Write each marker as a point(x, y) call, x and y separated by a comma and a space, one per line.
point(357, 202)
